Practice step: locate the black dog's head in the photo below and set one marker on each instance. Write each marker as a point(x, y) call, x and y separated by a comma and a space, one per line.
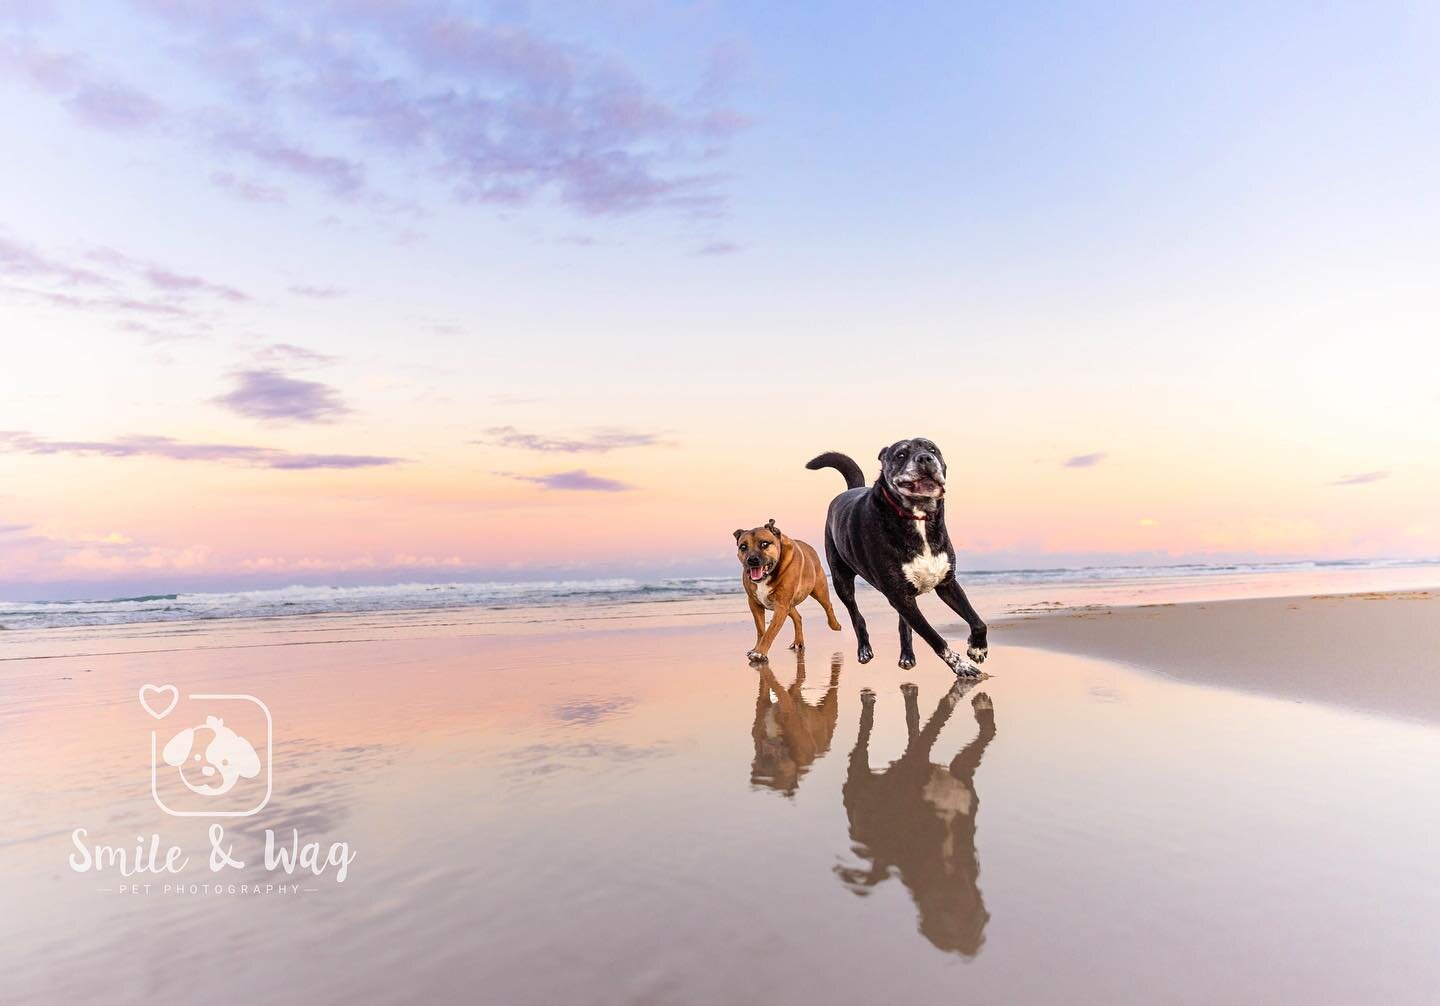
point(759, 549)
point(914, 470)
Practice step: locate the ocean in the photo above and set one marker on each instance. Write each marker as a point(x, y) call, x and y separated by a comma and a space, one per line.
point(1131, 583)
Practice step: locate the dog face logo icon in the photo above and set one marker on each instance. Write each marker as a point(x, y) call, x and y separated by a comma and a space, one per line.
point(221, 756)
point(220, 767)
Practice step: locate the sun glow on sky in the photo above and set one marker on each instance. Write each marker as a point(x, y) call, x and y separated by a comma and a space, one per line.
point(366, 293)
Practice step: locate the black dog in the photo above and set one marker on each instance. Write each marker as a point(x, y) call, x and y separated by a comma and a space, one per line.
point(893, 534)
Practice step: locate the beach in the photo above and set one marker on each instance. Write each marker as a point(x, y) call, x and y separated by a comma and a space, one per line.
point(1215, 799)
point(1377, 651)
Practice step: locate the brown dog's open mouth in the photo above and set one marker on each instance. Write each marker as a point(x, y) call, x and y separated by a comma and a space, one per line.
point(759, 572)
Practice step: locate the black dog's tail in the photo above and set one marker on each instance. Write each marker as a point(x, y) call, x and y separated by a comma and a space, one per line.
point(844, 464)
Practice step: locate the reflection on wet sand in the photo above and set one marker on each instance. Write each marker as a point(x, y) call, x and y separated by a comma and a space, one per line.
point(918, 818)
point(789, 732)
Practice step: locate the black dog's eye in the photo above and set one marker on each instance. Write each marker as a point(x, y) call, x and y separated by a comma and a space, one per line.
point(899, 455)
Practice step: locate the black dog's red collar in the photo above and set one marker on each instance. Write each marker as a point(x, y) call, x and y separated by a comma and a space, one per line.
point(899, 510)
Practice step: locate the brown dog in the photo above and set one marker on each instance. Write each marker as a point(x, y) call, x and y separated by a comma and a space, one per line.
point(780, 572)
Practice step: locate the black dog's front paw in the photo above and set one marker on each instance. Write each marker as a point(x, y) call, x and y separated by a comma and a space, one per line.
point(907, 661)
point(865, 654)
point(977, 652)
point(962, 667)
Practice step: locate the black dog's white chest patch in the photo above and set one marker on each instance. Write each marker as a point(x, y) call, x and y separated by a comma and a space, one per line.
point(926, 569)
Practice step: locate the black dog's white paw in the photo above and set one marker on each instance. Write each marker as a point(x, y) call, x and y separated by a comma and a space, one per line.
point(962, 667)
point(977, 653)
point(865, 654)
point(907, 661)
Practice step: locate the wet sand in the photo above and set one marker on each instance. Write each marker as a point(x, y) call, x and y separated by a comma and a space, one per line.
point(636, 815)
point(1377, 651)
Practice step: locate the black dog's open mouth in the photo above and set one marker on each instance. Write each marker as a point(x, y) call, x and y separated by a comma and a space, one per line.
point(759, 572)
point(921, 487)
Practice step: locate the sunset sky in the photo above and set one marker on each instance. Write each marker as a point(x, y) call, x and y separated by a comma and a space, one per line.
point(435, 291)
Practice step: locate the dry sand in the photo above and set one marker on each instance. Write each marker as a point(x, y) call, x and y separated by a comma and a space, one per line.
point(1377, 651)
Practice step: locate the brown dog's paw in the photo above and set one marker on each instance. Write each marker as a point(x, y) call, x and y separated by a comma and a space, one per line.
point(755, 656)
point(798, 647)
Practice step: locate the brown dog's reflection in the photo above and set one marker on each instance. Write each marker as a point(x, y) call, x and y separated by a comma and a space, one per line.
point(789, 732)
point(918, 818)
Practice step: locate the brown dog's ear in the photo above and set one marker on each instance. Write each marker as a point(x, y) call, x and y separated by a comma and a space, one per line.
point(770, 526)
point(738, 532)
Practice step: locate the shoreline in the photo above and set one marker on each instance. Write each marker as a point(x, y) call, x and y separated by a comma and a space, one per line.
point(1368, 650)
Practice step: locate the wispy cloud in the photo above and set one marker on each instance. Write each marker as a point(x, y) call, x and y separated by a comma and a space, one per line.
point(496, 110)
point(270, 394)
point(289, 353)
point(578, 480)
point(106, 282)
point(247, 188)
point(161, 278)
point(715, 248)
point(154, 336)
point(22, 442)
point(1084, 460)
point(596, 442)
point(342, 176)
point(12, 528)
point(25, 262)
point(317, 292)
point(1364, 478)
point(115, 106)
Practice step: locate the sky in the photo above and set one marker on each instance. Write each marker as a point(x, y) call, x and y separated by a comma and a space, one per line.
point(357, 292)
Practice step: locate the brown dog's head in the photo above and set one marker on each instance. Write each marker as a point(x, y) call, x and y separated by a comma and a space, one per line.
point(759, 549)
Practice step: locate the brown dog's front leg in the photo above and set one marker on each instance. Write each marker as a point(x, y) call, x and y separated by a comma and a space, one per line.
point(757, 611)
point(762, 648)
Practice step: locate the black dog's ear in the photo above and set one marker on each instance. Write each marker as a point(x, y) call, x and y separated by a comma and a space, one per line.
point(884, 451)
point(738, 532)
point(770, 526)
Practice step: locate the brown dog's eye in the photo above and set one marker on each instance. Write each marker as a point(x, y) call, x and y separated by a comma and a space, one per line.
point(764, 544)
point(743, 547)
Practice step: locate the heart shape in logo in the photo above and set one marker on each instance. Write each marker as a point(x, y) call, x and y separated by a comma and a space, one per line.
point(158, 690)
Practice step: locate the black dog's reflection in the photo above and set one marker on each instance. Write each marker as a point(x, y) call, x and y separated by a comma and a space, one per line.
point(918, 818)
point(789, 732)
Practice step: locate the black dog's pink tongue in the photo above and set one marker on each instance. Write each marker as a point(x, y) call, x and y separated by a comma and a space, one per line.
point(757, 573)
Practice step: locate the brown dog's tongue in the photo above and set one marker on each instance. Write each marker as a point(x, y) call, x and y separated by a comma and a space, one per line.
point(757, 574)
